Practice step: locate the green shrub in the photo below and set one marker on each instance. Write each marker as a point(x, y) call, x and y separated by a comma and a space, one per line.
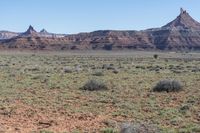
point(168, 86)
point(155, 56)
point(68, 69)
point(94, 85)
point(116, 71)
point(98, 73)
point(108, 66)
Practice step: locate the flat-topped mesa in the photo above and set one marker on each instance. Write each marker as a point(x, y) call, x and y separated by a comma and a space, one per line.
point(183, 21)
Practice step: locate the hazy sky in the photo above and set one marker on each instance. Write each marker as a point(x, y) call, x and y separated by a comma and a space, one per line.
point(73, 16)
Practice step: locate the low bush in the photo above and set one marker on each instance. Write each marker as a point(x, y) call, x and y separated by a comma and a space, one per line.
point(67, 69)
point(168, 86)
point(94, 85)
point(155, 56)
point(108, 66)
point(98, 73)
point(116, 71)
point(139, 128)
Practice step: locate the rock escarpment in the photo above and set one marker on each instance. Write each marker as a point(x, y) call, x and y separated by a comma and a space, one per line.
point(183, 33)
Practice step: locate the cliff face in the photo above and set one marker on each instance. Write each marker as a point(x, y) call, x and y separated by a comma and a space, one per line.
point(109, 40)
point(183, 33)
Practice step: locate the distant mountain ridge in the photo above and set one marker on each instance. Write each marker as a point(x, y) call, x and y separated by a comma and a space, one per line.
point(30, 32)
point(183, 33)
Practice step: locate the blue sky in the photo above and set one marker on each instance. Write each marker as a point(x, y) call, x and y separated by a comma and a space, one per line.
point(73, 16)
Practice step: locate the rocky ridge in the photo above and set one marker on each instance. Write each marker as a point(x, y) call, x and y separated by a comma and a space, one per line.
point(183, 33)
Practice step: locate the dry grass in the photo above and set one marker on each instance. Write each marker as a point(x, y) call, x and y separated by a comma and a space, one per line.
point(36, 94)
